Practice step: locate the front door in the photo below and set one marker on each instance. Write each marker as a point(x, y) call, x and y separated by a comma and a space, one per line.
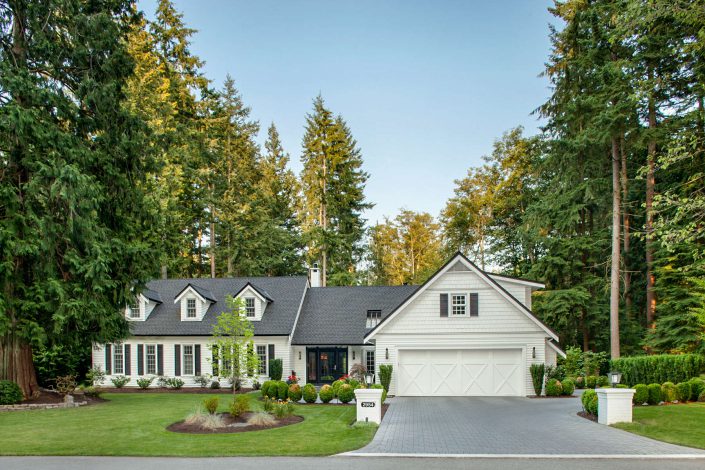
point(325, 365)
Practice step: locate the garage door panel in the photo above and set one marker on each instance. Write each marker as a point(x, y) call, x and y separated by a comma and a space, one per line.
point(461, 372)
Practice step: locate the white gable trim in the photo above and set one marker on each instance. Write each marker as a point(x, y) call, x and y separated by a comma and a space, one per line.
point(298, 312)
point(250, 290)
point(512, 280)
point(484, 276)
point(191, 290)
point(558, 350)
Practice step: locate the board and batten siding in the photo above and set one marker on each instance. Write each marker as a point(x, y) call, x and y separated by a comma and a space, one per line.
point(281, 351)
point(499, 324)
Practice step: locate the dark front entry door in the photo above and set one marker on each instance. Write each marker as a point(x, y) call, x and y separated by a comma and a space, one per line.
point(326, 364)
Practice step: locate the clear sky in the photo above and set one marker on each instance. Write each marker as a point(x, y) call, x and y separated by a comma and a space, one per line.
point(425, 86)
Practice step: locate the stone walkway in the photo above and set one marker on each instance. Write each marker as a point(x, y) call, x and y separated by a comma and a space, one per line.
point(476, 425)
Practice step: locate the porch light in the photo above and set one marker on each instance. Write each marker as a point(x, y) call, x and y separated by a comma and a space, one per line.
point(533, 353)
point(386, 353)
point(615, 378)
point(353, 354)
point(369, 377)
point(299, 355)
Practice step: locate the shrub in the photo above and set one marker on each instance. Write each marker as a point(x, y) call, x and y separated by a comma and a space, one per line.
point(215, 385)
point(120, 381)
point(309, 393)
point(162, 381)
point(282, 390)
point(239, 405)
point(203, 380)
point(385, 375)
point(655, 396)
point(580, 382)
point(603, 381)
point(537, 373)
point(683, 392)
point(355, 384)
point(697, 385)
point(282, 409)
point(261, 419)
point(10, 393)
point(264, 388)
point(641, 395)
point(336, 386)
point(211, 404)
point(65, 384)
point(145, 382)
point(346, 393)
point(384, 393)
point(553, 388)
point(267, 404)
point(175, 383)
point(95, 375)
point(256, 385)
point(358, 372)
point(90, 391)
point(295, 392)
point(701, 397)
point(589, 401)
point(326, 393)
point(275, 369)
point(591, 381)
point(668, 392)
point(568, 387)
point(555, 372)
point(659, 368)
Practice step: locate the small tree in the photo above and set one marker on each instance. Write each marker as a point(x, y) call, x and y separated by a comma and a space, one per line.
point(232, 337)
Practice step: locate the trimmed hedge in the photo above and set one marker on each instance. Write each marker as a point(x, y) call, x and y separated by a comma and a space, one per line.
point(336, 386)
point(683, 391)
point(553, 388)
point(295, 392)
point(668, 392)
point(537, 373)
point(326, 393)
point(589, 400)
point(385, 375)
point(591, 381)
point(282, 390)
point(697, 385)
point(275, 369)
point(641, 395)
point(310, 393)
point(659, 368)
point(568, 387)
point(346, 393)
point(655, 396)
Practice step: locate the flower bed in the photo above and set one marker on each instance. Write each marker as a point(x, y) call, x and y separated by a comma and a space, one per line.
point(233, 425)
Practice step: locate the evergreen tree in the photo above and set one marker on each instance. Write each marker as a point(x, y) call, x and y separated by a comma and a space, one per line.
point(73, 213)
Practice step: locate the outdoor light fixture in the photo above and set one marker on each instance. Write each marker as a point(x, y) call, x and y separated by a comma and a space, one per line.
point(353, 355)
point(615, 378)
point(386, 353)
point(299, 355)
point(533, 352)
point(369, 378)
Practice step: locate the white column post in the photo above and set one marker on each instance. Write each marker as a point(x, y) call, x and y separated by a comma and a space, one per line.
point(614, 405)
point(369, 404)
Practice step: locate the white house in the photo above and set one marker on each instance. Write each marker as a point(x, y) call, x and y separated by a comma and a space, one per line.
point(464, 332)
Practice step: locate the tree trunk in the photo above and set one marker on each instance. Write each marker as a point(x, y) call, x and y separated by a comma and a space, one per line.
point(16, 364)
point(324, 224)
point(614, 274)
point(650, 183)
point(212, 243)
point(626, 240)
point(164, 272)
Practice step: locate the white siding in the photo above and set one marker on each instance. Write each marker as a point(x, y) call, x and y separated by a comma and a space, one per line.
point(260, 303)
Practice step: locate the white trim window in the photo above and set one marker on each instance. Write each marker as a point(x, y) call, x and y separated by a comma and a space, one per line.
point(134, 308)
point(187, 362)
point(250, 307)
point(151, 358)
point(190, 308)
point(373, 318)
point(262, 355)
point(458, 305)
point(370, 361)
point(118, 359)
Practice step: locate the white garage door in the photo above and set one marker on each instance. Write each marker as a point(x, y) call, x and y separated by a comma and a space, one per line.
point(460, 372)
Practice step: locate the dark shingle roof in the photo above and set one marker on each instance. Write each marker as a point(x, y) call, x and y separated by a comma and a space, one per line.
point(278, 319)
point(338, 315)
point(152, 295)
point(259, 290)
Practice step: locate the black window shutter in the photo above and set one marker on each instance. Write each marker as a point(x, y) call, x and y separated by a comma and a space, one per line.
point(140, 359)
point(444, 305)
point(128, 360)
point(214, 360)
point(177, 359)
point(270, 356)
point(474, 305)
point(160, 359)
point(197, 359)
point(108, 360)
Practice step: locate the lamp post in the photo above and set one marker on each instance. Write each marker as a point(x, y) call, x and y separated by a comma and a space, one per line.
point(369, 378)
point(615, 378)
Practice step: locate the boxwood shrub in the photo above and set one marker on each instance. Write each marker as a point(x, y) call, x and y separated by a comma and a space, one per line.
point(641, 395)
point(668, 392)
point(589, 400)
point(309, 393)
point(346, 393)
point(659, 368)
point(553, 388)
point(336, 386)
point(568, 387)
point(591, 381)
point(655, 396)
point(282, 390)
point(295, 392)
point(265, 388)
point(10, 393)
point(384, 393)
point(683, 392)
point(697, 385)
point(326, 393)
point(701, 397)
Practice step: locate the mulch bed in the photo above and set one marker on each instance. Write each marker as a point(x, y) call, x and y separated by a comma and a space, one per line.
point(229, 420)
point(586, 415)
point(560, 396)
point(48, 397)
point(171, 390)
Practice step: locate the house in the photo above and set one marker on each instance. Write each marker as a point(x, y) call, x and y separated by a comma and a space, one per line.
point(463, 332)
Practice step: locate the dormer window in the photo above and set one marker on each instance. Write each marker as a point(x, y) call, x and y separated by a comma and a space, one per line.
point(373, 318)
point(250, 307)
point(134, 309)
point(190, 308)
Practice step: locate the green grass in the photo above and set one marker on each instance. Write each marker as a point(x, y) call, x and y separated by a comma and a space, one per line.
point(134, 424)
point(677, 424)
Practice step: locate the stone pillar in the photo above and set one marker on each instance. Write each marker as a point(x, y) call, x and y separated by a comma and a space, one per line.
point(614, 405)
point(369, 404)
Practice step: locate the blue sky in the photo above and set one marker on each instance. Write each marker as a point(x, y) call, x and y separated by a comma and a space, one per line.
point(426, 86)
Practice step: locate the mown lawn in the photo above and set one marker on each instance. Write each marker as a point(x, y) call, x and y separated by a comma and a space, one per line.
point(134, 424)
point(677, 424)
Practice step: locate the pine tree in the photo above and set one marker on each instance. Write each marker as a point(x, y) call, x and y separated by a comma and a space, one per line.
point(73, 213)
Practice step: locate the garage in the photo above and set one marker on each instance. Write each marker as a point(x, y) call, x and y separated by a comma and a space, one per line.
point(461, 372)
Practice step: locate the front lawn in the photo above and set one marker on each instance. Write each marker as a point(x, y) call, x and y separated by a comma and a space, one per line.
point(677, 424)
point(134, 424)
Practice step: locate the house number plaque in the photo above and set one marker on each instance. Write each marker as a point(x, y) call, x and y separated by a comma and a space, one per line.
point(367, 404)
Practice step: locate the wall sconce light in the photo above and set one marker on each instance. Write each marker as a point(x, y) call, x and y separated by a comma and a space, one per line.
point(299, 355)
point(386, 353)
point(533, 352)
point(353, 355)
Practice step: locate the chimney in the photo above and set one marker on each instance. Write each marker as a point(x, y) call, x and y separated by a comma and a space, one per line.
point(314, 276)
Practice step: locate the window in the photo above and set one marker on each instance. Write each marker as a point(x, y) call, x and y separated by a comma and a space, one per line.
point(459, 304)
point(370, 361)
point(151, 359)
point(134, 309)
point(262, 355)
point(188, 359)
point(373, 317)
point(118, 360)
point(190, 308)
point(250, 307)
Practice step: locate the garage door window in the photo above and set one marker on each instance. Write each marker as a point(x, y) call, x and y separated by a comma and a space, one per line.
point(459, 305)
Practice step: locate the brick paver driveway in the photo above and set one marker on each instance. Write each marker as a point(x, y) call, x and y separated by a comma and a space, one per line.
point(475, 425)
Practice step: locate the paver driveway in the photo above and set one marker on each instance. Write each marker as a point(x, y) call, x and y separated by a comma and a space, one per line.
point(475, 425)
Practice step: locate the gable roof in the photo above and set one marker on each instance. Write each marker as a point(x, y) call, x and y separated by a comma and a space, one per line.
point(483, 275)
point(154, 296)
point(338, 315)
point(201, 291)
point(261, 292)
point(278, 319)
